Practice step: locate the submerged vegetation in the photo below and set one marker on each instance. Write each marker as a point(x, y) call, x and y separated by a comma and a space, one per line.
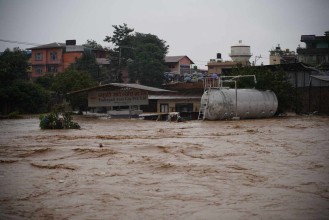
point(58, 119)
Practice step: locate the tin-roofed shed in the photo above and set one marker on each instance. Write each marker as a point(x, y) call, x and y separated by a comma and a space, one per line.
point(120, 99)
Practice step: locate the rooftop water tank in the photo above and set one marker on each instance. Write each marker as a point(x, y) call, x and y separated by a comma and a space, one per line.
point(240, 53)
point(243, 103)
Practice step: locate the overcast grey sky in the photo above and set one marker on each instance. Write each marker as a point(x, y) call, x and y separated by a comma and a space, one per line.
point(196, 28)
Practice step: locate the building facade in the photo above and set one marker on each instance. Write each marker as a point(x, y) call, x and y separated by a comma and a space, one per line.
point(220, 67)
point(179, 64)
point(316, 52)
point(56, 57)
point(278, 56)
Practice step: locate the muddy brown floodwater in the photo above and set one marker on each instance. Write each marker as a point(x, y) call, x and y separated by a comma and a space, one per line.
point(274, 168)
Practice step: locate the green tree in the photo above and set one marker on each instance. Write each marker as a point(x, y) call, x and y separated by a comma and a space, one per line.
point(87, 63)
point(147, 65)
point(142, 54)
point(28, 97)
point(121, 35)
point(16, 93)
point(13, 65)
point(267, 79)
point(122, 42)
point(104, 72)
point(73, 80)
point(93, 45)
point(45, 81)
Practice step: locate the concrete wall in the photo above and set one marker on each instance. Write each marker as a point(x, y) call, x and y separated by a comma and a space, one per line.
point(172, 104)
point(70, 58)
point(314, 99)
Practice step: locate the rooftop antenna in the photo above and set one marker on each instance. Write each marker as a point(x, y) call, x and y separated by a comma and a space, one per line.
point(257, 58)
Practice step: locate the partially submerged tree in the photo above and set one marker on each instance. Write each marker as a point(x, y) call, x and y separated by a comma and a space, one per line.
point(58, 119)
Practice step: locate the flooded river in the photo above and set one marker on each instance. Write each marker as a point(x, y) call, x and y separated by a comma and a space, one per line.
point(250, 169)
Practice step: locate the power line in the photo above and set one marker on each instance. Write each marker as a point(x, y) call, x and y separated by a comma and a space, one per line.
point(19, 42)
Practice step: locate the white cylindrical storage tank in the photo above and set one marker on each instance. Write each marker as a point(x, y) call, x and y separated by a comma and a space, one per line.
point(251, 103)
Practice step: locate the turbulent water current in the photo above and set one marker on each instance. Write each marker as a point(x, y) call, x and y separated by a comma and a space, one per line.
point(274, 168)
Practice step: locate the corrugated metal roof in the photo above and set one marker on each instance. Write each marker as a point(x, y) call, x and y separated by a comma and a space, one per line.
point(175, 97)
point(121, 85)
point(138, 86)
point(322, 78)
point(51, 45)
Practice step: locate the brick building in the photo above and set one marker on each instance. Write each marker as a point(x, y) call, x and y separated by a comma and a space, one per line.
point(56, 57)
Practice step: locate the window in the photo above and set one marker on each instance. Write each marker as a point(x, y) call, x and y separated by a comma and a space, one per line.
point(38, 56)
point(164, 108)
point(52, 69)
point(38, 70)
point(53, 55)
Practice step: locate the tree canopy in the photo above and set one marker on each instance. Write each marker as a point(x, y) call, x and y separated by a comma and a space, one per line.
point(72, 80)
point(13, 65)
point(87, 63)
point(147, 65)
point(93, 45)
point(141, 54)
point(16, 93)
point(122, 35)
point(46, 81)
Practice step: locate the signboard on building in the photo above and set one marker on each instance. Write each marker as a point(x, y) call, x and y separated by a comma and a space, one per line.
point(117, 98)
